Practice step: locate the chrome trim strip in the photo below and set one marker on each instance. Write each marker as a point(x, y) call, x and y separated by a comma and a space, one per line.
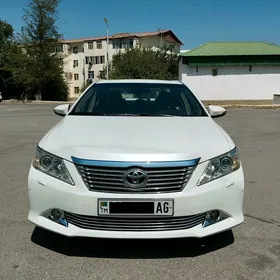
point(151, 223)
point(126, 164)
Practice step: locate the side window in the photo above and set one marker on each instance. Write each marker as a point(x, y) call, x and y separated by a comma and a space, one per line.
point(188, 106)
point(86, 102)
point(193, 106)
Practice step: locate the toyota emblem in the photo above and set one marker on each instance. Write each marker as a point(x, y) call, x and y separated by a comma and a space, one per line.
point(135, 178)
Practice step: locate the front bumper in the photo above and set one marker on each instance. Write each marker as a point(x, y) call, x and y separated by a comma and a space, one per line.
point(225, 194)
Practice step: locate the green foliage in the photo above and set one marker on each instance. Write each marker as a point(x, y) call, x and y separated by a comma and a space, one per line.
point(103, 73)
point(40, 18)
point(42, 65)
point(6, 32)
point(8, 87)
point(28, 63)
point(55, 89)
point(85, 85)
point(138, 63)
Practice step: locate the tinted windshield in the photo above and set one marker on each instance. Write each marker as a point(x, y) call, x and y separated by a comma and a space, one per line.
point(140, 99)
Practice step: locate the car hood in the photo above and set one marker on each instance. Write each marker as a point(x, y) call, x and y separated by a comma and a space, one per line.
point(137, 138)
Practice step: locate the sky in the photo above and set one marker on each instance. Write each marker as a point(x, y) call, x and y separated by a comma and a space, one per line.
point(194, 22)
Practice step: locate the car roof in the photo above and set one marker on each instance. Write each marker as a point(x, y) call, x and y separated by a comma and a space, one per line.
point(150, 81)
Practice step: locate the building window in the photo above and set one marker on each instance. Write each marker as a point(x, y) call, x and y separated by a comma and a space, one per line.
point(76, 77)
point(75, 49)
point(214, 72)
point(196, 69)
point(76, 90)
point(125, 45)
point(90, 45)
point(90, 74)
point(131, 43)
point(250, 68)
point(75, 63)
point(97, 60)
point(116, 44)
point(89, 59)
point(171, 48)
point(99, 45)
point(58, 49)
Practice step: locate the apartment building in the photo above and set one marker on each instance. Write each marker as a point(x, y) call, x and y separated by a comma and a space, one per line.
point(85, 58)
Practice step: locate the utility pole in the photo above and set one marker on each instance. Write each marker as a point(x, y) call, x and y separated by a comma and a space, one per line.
point(159, 29)
point(107, 63)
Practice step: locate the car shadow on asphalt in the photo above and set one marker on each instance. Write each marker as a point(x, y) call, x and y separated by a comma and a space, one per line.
point(131, 248)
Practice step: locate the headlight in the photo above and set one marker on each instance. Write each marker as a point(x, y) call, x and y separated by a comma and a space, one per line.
point(220, 166)
point(51, 165)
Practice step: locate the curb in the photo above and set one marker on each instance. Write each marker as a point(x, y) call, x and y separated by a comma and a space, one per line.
point(35, 102)
point(251, 106)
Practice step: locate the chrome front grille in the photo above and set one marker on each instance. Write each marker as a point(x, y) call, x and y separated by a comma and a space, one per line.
point(134, 224)
point(111, 179)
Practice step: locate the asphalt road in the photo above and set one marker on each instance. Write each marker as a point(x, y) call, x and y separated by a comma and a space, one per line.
point(250, 251)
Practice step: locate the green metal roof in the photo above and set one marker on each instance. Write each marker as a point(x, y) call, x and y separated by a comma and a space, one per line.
point(233, 48)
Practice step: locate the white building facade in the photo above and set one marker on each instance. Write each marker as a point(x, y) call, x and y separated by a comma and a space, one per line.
point(84, 59)
point(232, 71)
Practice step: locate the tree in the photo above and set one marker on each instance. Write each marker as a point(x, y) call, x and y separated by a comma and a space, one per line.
point(138, 63)
point(85, 85)
point(6, 32)
point(38, 38)
point(8, 86)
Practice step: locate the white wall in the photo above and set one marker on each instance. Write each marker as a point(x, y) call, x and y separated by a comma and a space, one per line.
point(232, 82)
point(156, 42)
point(69, 58)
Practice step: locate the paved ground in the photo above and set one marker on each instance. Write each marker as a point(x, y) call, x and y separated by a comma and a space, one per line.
point(251, 251)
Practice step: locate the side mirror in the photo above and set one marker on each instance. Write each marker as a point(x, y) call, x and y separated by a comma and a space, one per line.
point(216, 111)
point(61, 110)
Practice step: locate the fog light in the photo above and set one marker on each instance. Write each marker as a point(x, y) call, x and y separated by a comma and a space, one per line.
point(213, 216)
point(56, 214)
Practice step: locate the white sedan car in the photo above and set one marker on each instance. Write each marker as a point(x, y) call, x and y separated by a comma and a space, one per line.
point(136, 159)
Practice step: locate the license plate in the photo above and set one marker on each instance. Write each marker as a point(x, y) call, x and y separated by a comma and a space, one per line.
point(135, 207)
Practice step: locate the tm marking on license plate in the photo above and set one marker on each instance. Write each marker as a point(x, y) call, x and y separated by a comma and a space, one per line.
point(135, 208)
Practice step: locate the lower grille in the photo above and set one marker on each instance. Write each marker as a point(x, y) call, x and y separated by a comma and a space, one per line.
point(134, 224)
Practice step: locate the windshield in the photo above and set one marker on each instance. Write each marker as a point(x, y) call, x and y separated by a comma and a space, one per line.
point(138, 99)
